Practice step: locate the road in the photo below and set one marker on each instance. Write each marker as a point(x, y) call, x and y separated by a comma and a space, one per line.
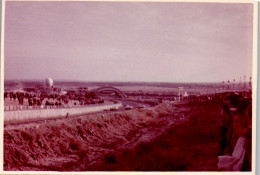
point(133, 104)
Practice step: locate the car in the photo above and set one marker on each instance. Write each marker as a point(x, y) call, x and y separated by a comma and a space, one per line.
point(141, 106)
point(114, 109)
point(128, 107)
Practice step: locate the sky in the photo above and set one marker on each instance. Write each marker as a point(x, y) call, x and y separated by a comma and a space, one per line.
point(128, 41)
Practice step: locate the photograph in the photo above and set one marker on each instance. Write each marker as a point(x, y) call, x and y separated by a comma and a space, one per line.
point(129, 86)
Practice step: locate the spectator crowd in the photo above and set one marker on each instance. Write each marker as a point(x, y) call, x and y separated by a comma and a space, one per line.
point(51, 99)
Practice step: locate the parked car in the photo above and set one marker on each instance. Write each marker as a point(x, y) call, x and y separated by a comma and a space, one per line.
point(141, 106)
point(114, 109)
point(128, 107)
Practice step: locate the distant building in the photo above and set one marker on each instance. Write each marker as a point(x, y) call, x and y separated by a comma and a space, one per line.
point(83, 89)
point(48, 83)
point(30, 89)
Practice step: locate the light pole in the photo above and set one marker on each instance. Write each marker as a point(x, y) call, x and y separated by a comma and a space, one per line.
point(180, 92)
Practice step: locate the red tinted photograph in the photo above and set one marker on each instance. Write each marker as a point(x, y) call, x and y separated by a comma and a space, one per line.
point(99, 86)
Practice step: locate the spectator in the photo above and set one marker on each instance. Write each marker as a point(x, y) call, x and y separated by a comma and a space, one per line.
point(241, 141)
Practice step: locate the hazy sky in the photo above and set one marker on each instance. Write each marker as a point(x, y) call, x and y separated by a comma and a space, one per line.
point(128, 41)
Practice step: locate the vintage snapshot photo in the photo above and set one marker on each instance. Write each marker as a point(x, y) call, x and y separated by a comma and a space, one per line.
point(101, 86)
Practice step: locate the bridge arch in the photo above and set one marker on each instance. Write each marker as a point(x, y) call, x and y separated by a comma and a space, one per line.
point(112, 89)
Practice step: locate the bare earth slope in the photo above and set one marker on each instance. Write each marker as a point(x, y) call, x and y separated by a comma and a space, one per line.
point(161, 138)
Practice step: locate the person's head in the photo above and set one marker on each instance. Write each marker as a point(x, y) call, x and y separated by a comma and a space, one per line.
point(226, 108)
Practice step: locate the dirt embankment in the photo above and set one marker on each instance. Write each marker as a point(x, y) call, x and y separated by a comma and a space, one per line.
point(162, 138)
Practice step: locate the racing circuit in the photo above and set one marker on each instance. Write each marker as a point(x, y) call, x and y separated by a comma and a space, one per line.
point(117, 103)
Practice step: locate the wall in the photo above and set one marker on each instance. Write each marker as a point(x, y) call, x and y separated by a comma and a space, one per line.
point(30, 115)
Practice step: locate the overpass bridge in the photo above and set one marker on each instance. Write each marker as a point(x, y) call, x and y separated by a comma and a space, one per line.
point(105, 89)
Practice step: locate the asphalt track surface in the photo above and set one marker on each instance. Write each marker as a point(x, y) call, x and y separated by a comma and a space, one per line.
point(133, 104)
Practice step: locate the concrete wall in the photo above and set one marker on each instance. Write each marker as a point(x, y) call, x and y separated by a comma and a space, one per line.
point(30, 115)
